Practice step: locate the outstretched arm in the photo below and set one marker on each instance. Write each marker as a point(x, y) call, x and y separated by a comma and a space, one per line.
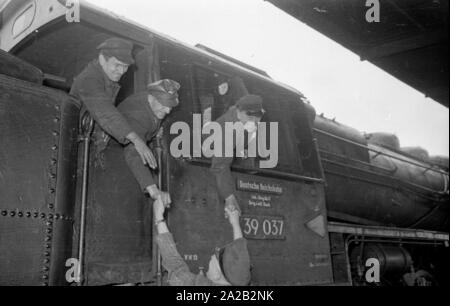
point(171, 258)
point(143, 150)
point(221, 168)
point(102, 109)
point(158, 213)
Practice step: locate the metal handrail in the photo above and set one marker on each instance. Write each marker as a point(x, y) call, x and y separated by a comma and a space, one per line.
point(86, 130)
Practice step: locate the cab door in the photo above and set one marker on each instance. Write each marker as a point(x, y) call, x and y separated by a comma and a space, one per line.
point(284, 214)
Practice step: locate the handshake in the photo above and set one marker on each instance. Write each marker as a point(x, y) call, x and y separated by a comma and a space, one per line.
point(159, 196)
point(162, 201)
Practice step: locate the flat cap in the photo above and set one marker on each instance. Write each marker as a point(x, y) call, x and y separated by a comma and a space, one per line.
point(234, 260)
point(119, 48)
point(252, 105)
point(165, 91)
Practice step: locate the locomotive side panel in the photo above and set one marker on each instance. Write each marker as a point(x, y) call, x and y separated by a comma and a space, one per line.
point(36, 159)
point(119, 222)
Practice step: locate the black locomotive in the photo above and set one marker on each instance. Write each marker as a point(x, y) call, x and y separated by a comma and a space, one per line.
point(336, 200)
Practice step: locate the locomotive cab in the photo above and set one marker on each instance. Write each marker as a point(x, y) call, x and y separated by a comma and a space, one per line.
point(284, 208)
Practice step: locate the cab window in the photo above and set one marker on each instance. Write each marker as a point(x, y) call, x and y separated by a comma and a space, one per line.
point(216, 92)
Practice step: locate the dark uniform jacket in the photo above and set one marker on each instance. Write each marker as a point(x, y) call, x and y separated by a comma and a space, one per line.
point(98, 95)
point(139, 115)
point(221, 166)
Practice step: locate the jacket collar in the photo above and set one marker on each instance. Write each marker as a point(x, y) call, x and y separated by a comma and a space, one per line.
point(95, 64)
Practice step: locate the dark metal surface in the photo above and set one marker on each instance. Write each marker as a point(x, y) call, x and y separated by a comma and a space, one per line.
point(372, 185)
point(118, 223)
point(35, 220)
point(16, 68)
point(393, 260)
point(64, 217)
point(274, 261)
point(410, 41)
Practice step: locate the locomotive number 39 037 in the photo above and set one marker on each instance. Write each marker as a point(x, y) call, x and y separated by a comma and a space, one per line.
point(263, 227)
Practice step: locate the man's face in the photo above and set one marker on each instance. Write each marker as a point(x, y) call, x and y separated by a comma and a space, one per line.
point(158, 109)
point(250, 122)
point(113, 68)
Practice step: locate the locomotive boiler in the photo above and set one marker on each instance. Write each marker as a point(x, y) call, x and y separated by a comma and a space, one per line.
point(372, 181)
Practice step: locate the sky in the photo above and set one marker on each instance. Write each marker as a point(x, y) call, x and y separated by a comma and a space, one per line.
point(337, 83)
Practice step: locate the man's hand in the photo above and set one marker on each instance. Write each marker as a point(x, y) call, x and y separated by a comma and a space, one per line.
point(158, 210)
point(232, 204)
point(146, 154)
point(143, 150)
point(232, 216)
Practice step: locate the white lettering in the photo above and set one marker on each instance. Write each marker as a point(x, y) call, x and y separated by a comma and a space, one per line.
point(73, 11)
point(373, 273)
point(373, 13)
point(72, 275)
point(181, 145)
point(234, 141)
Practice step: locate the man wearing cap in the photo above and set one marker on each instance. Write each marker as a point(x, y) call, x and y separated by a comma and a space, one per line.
point(249, 111)
point(229, 266)
point(97, 88)
point(145, 112)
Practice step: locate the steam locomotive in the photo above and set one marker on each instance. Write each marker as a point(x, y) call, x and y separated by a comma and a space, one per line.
point(338, 199)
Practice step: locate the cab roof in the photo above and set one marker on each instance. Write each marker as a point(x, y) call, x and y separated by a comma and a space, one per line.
point(410, 42)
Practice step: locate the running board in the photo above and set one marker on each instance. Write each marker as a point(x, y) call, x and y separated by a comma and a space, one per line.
point(388, 232)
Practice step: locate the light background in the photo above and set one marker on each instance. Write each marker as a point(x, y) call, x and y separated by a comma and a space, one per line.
point(336, 82)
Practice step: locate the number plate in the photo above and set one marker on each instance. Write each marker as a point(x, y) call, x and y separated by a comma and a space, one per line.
point(263, 227)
